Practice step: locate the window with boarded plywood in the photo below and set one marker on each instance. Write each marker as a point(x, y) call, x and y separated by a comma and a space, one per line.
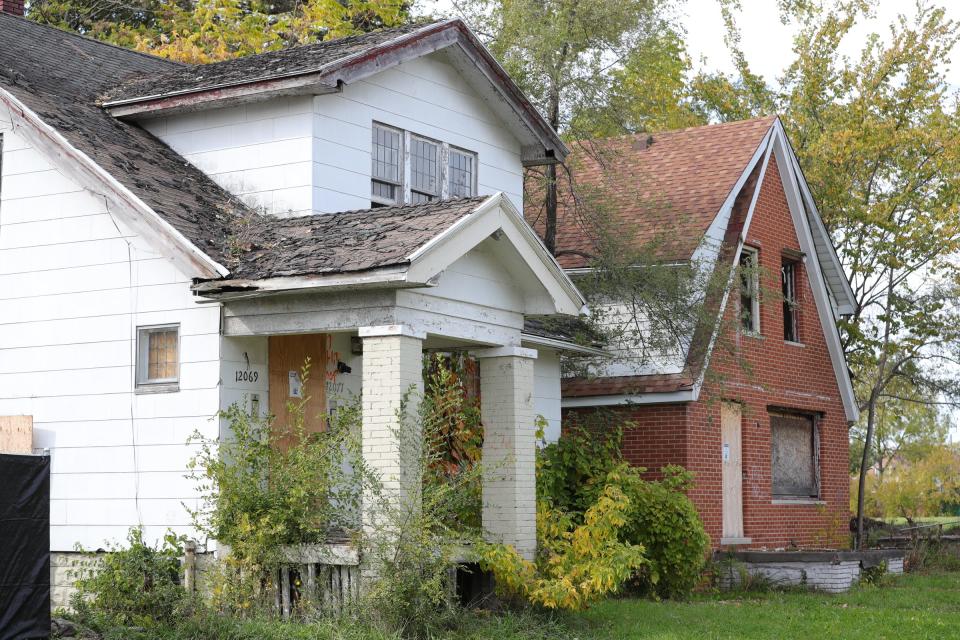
point(794, 456)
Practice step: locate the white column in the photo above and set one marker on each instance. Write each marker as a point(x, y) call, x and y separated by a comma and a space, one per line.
point(509, 447)
point(392, 368)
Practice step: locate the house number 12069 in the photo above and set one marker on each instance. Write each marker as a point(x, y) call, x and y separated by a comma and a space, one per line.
point(247, 376)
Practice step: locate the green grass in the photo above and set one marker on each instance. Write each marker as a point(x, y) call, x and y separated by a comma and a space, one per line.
point(915, 606)
point(951, 520)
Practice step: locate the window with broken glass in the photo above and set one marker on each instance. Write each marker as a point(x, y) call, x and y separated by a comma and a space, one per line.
point(462, 173)
point(424, 170)
point(788, 279)
point(749, 296)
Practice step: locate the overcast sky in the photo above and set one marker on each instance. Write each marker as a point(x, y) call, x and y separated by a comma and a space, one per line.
point(766, 42)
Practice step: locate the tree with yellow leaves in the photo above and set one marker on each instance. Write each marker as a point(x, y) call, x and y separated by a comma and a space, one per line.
point(202, 31)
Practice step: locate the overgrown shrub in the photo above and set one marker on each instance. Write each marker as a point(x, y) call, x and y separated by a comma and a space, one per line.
point(661, 518)
point(576, 564)
point(267, 485)
point(421, 528)
point(136, 585)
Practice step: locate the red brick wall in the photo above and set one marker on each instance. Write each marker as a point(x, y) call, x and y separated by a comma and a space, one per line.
point(758, 372)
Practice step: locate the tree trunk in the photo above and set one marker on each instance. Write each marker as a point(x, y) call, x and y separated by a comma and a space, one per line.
point(864, 461)
point(550, 224)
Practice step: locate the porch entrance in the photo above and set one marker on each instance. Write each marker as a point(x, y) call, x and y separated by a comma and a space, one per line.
point(732, 473)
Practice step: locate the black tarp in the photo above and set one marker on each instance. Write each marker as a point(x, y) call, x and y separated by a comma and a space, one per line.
point(24, 546)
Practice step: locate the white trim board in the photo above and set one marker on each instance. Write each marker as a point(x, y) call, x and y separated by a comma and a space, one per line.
point(78, 166)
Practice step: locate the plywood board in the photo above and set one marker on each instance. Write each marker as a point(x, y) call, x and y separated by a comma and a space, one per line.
point(732, 465)
point(16, 434)
point(286, 357)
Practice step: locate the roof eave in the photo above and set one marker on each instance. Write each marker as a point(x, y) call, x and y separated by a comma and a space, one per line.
point(544, 145)
point(388, 277)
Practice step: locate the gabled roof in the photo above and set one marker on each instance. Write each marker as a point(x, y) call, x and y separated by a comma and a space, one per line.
point(57, 76)
point(400, 247)
point(325, 67)
point(688, 209)
point(345, 242)
point(662, 188)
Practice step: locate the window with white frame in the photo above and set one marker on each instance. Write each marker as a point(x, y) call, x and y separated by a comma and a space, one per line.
point(409, 168)
point(158, 357)
point(386, 184)
point(788, 283)
point(424, 170)
point(749, 291)
point(462, 173)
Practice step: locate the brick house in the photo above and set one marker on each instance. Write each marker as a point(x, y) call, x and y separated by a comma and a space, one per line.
point(762, 421)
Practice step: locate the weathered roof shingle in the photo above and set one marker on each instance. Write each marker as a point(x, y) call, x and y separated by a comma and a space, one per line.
point(661, 190)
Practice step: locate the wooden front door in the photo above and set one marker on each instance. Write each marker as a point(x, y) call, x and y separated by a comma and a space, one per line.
point(287, 356)
point(732, 465)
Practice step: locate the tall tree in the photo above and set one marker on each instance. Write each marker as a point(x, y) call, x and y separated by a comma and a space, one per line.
point(878, 137)
point(563, 54)
point(200, 31)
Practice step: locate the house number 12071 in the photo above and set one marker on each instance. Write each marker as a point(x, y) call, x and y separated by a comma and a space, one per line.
point(247, 376)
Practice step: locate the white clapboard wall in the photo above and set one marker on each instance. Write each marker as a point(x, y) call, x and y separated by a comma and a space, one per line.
point(75, 283)
point(300, 155)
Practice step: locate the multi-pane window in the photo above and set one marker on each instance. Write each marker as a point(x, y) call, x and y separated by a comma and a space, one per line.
point(158, 356)
point(461, 173)
point(788, 279)
point(386, 177)
point(424, 170)
point(407, 168)
point(749, 291)
point(794, 456)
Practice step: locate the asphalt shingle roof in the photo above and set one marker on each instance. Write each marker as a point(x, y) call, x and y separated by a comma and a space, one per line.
point(660, 190)
point(285, 62)
point(343, 242)
point(59, 74)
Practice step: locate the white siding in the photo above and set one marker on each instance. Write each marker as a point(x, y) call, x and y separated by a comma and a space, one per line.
point(260, 151)
point(302, 155)
point(546, 391)
point(425, 96)
point(75, 283)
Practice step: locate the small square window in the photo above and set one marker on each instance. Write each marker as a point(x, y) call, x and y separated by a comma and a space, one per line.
point(749, 291)
point(462, 173)
point(158, 358)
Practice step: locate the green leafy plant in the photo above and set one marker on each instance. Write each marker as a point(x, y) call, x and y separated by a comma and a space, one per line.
point(574, 471)
point(134, 585)
point(577, 564)
point(422, 527)
point(268, 485)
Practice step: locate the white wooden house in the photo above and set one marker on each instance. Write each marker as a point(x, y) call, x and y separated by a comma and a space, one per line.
point(175, 239)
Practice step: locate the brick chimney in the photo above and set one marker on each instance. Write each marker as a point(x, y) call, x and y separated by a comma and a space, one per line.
point(12, 6)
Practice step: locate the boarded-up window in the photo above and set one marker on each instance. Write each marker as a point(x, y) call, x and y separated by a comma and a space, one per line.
point(794, 456)
point(158, 356)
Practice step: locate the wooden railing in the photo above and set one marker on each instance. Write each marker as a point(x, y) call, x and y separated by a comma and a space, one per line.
point(320, 576)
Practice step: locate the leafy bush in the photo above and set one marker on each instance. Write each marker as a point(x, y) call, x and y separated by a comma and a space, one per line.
point(576, 565)
point(269, 485)
point(133, 586)
point(419, 530)
point(660, 518)
point(663, 519)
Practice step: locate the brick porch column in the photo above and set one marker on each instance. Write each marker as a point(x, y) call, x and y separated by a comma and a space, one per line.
point(509, 447)
point(392, 365)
